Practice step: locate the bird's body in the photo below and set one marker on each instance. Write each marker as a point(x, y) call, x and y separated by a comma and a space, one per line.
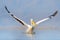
point(31, 27)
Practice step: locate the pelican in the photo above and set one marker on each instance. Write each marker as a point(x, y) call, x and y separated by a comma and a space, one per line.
point(33, 23)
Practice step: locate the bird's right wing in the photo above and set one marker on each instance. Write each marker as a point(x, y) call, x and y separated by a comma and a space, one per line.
point(19, 20)
point(50, 17)
point(42, 20)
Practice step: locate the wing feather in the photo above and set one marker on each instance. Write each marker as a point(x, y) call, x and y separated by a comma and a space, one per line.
point(19, 20)
point(50, 17)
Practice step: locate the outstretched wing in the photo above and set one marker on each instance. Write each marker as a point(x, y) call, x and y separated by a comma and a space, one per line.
point(19, 20)
point(50, 17)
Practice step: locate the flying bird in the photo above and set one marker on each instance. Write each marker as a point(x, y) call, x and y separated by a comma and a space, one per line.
point(33, 23)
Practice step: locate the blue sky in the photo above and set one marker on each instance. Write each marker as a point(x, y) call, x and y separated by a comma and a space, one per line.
point(27, 9)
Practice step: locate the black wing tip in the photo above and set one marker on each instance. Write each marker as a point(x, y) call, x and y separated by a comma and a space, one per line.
point(5, 6)
point(56, 11)
point(7, 9)
point(53, 15)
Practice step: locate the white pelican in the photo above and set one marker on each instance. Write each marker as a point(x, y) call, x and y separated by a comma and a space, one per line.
point(33, 23)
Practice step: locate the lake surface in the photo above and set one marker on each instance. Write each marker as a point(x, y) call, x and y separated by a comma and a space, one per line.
point(21, 35)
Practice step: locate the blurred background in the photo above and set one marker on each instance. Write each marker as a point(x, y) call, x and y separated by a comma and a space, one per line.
point(25, 10)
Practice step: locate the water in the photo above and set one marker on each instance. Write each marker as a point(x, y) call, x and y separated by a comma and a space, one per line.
point(21, 35)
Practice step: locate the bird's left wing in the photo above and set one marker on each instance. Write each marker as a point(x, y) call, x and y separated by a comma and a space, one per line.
point(50, 17)
point(19, 20)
